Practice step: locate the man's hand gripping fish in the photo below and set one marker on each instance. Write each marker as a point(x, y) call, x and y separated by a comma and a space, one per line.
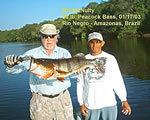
point(60, 68)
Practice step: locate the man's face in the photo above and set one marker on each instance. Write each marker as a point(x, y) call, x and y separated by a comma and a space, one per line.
point(96, 46)
point(49, 41)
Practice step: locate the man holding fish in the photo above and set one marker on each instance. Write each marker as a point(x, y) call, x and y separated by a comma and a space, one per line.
point(95, 91)
point(50, 98)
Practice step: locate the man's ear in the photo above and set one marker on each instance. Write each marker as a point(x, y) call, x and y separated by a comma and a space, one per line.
point(103, 43)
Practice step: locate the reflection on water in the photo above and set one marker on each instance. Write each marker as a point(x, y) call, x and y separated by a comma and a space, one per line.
point(133, 58)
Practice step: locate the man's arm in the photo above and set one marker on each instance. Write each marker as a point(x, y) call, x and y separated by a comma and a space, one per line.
point(80, 94)
point(119, 88)
point(13, 66)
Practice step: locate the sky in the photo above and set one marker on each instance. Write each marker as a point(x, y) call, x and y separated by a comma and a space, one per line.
point(14, 14)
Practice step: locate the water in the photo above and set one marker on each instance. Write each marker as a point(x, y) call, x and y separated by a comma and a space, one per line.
point(133, 58)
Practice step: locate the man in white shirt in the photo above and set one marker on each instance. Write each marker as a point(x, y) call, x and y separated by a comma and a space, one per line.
point(96, 91)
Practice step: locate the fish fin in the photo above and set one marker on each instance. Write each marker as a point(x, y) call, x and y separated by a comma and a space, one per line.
point(61, 79)
point(36, 74)
point(25, 58)
point(100, 69)
point(45, 75)
point(80, 55)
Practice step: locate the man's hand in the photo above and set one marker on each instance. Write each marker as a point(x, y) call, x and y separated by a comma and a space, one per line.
point(11, 60)
point(84, 110)
point(80, 70)
point(126, 108)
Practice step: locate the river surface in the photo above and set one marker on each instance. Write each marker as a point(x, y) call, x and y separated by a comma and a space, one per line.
point(133, 56)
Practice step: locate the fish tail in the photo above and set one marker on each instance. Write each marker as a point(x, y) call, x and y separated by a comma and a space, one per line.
point(25, 58)
point(99, 64)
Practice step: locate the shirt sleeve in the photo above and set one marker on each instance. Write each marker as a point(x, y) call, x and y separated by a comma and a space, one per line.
point(67, 54)
point(80, 88)
point(119, 86)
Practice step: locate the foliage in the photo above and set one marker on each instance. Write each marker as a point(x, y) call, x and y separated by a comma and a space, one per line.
point(29, 33)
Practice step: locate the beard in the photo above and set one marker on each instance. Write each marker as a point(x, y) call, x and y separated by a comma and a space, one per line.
point(48, 47)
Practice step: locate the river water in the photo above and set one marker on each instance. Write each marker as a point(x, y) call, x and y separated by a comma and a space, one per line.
point(134, 61)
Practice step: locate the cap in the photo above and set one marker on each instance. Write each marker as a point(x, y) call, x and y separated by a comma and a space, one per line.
point(95, 35)
point(48, 29)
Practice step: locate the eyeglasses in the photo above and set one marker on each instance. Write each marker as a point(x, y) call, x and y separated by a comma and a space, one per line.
point(46, 36)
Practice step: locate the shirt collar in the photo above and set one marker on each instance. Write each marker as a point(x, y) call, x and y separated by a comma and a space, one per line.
point(56, 49)
point(98, 55)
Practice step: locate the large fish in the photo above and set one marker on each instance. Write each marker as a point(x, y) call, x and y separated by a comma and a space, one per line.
point(60, 68)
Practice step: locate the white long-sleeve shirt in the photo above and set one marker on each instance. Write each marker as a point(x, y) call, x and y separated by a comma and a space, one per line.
point(95, 90)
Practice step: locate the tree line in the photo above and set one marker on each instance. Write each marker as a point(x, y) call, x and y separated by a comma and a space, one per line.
point(117, 12)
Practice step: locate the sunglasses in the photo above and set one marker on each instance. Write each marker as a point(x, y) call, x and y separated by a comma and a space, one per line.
point(46, 36)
